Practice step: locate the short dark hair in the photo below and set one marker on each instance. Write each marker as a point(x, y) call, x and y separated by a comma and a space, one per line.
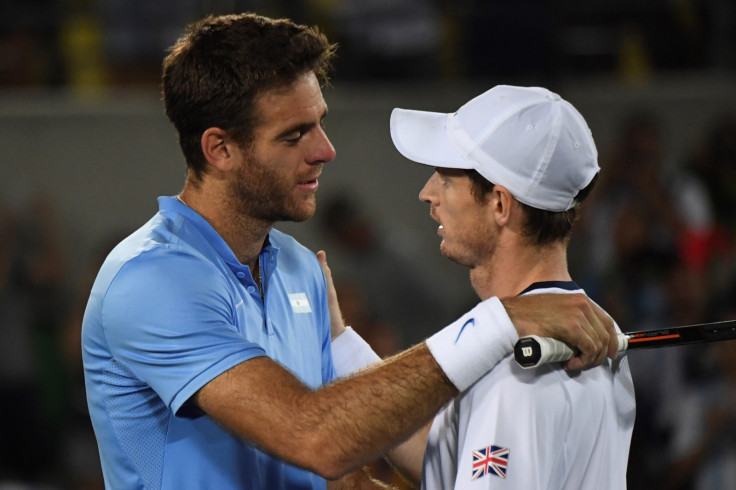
point(541, 226)
point(214, 72)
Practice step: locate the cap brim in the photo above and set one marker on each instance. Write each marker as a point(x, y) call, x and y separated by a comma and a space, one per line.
point(421, 137)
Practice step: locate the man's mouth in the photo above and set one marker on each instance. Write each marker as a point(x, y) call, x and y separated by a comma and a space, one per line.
point(309, 185)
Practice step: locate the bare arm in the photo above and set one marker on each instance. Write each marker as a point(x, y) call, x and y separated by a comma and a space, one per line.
point(408, 457)
point(335, 429)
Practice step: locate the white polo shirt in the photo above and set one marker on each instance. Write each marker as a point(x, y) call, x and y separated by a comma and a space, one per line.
point(541, 428)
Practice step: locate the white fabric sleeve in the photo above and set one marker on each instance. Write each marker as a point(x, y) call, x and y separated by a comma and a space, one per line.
point(471, 346)
point(351, 353)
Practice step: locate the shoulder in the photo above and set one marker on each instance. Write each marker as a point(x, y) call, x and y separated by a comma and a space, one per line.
point(153, 253)
point(509, 387)
point(157, 258)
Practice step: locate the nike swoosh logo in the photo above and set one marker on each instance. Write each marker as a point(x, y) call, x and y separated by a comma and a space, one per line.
point(470, 322)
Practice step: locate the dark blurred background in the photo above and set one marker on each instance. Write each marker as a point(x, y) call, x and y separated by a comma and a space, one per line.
point(85, 149)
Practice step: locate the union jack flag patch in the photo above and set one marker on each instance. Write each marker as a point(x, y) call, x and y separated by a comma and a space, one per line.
point(492, 460)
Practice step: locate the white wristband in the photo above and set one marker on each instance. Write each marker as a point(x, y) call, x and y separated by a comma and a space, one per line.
point(471, 346)
point(351, 353)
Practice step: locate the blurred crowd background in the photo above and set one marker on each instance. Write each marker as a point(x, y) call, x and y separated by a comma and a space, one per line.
point(96, 42)
point(85, 149)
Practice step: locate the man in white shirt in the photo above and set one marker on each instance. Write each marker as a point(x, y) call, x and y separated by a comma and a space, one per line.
point(511, 167)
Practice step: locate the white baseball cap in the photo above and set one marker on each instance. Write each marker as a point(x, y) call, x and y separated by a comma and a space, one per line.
point(526, 139)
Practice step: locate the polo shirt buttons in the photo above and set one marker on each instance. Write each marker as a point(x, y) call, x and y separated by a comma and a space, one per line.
point(251, 289)
point(241, 275)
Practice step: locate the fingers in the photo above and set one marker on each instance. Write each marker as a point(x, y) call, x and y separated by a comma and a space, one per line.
point(322, 257)
point(597, 338)
point(610, 328)
point(337, 324)
point(572, 318)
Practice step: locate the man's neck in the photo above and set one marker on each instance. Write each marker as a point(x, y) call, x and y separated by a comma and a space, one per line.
point(244, 235)
point(514, 267)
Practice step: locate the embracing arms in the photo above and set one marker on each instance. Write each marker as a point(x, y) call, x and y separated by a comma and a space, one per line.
point(339, 427)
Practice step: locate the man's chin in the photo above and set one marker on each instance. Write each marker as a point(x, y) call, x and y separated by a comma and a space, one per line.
point(299, 218)
point(299, 214)
point(449, 255)
point(305, 211)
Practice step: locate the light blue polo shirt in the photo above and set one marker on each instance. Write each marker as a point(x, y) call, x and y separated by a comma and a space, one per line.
point(171, 309)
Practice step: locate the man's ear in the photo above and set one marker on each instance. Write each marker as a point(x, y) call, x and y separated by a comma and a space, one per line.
point(501, 205)
point(217, 149)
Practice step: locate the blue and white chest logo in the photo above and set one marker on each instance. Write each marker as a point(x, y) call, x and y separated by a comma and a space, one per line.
point(299, 303)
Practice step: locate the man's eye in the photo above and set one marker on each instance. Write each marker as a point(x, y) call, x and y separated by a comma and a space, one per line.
point(293, 137)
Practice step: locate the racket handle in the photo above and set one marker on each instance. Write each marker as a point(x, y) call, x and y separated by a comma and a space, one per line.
point(533, 351)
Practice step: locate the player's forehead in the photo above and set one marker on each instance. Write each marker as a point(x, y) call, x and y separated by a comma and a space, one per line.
point(296, 103)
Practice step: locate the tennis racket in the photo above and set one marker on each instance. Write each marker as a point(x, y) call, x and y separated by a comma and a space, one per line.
point(532, 351)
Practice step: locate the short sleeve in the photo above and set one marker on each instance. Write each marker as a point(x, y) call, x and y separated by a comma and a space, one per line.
point(169, 318)
point(516, 429)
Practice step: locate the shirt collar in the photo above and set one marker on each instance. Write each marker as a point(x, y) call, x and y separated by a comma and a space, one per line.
point(566, 285)
point(173, 205)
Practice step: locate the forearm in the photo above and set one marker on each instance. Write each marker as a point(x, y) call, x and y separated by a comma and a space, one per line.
point(343, 425)
point(384, 404)
point(464, 352)
point(352, 354)
point(338, 428)
point(408, 457)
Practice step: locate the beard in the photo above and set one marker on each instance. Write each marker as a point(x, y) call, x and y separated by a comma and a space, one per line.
point(471, 248)
point(265, 194)
point(455, 256)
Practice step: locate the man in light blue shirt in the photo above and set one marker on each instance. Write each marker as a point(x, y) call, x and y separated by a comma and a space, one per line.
point(206, 339)
point(146, 365)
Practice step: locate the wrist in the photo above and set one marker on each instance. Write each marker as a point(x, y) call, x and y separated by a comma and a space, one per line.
point(471, 346)
point(337, 327)
point(351, 353)
point(510, 307)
